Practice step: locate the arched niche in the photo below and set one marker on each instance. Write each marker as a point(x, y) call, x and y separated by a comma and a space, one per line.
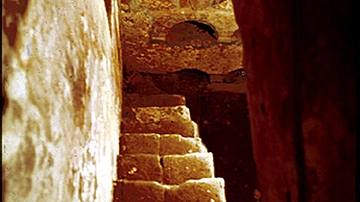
point(192, 33)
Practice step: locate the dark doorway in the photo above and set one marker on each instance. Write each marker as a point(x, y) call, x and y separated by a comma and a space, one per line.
point(225, 130)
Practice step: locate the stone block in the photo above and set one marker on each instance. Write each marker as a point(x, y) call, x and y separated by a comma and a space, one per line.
point(204, 190)
point(155, 114)
point(138, 100)
point(185, 128)
point(180, 168)
point(139, 143)
point(138, 191)
point(176, 144)
point(140, 167)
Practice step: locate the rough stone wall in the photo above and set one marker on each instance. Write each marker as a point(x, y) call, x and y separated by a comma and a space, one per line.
point(299, 60)
point(61, 93)
point(146, 25)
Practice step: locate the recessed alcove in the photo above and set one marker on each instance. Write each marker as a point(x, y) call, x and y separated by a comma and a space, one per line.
point(192, 33)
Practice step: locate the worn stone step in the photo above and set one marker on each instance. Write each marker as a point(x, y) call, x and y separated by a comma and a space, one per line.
point(176, 144)
point(162, 120)
point(138, 191)
point(139, 143)
point(168, 169)
point(160, 100)
point(180, 168)
point(153, 114)
point(203, 190)
point(140, 167)
point(185, 128)
point(152, 143)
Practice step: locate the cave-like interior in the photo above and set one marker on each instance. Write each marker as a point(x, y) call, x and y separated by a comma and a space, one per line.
point(196, 53)
point(196, 49)
point(179, 100)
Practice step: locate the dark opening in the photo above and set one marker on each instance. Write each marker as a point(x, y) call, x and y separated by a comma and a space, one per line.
point(193, 33)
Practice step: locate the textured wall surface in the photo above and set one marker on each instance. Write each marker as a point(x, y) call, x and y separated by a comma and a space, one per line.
point(60, 82)
point(145, 28)
point(299, 60)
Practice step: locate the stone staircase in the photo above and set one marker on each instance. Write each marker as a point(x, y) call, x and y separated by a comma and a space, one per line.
point(162, 158)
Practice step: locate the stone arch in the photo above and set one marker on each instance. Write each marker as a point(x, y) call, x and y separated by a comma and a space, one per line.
point(192, 32)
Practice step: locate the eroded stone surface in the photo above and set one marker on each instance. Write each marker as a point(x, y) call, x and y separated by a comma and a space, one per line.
point(185, 127)
point(155, 114)
point(152, 143)
point(139, 191)
point(176, 144)
point(135, 143)
point(61, 115)
point(180, 168)
point(145, 26)
point(161, 120)
point(204, 190)
point(140, 167)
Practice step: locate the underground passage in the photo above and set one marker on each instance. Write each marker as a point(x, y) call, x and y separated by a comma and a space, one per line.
point(178, 101)
point(173, 61)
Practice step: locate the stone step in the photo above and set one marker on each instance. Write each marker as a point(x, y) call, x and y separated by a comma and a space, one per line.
point(160, 100)
point(180, 168)
point(153, 114)
point(161, 120)
point(169, 169)
point(140, 167)
point(202, 190)
point(138, 191)
point(176, 144)
point(152, 143)
point(185, 128)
